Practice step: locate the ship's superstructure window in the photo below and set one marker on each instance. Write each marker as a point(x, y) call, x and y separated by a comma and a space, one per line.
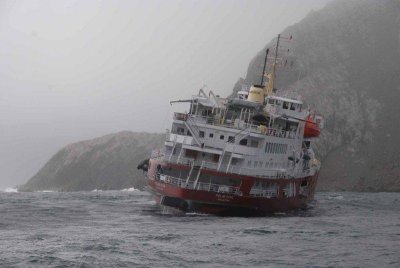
point(211, 135)
point(243, 142)
point(231, 139)
point(216, 158)
point(254, 143)
point(181, 130)
point(221, 137)
point(201, 134)
point(285, 105)
point(292, 106)
point(191, 154)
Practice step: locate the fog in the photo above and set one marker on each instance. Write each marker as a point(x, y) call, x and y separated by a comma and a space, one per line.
point(73, 70)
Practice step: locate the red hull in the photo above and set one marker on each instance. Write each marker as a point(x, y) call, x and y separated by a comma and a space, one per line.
point(225, 203)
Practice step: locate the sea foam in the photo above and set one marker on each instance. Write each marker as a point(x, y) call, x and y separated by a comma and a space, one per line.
point(11, 190)
point(132, 189)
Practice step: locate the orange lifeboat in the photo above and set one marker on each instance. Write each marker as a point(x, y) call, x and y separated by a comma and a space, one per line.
point(311, 129)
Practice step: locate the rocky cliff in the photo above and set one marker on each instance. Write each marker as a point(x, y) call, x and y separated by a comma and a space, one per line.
point(105, 163)
point(347, 65)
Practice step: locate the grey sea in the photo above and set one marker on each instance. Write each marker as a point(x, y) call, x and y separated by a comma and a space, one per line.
point(127, 229)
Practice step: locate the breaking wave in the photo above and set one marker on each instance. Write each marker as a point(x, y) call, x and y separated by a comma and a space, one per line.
point(132, 189)
point(11, 190)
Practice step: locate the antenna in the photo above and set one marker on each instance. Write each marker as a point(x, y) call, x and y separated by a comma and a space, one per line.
point(265, 63)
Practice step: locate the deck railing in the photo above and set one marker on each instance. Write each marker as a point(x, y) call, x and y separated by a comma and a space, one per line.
point(201, 186)
point(230, 124)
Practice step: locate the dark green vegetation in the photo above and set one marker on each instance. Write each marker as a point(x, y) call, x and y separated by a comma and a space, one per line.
point(105, 163)
point(346, 65)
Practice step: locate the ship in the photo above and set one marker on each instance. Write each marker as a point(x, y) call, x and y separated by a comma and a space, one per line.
point(249, 154)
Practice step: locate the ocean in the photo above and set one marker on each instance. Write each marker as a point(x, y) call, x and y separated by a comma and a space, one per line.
point(127, 229)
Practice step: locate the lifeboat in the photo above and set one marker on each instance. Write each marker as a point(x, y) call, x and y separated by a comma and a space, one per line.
point(311, 129)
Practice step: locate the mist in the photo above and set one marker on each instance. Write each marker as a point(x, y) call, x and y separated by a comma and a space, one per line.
point(73, 70)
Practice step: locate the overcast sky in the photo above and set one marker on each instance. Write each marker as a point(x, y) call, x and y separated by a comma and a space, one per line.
point(73, 70)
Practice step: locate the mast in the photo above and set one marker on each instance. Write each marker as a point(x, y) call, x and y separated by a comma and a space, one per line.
point(265, 63)
point(271, 76)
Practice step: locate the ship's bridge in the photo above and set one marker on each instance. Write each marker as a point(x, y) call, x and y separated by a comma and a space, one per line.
point(278, 106)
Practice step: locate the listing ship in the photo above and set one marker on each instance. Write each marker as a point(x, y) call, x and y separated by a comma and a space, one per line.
point(246, 155)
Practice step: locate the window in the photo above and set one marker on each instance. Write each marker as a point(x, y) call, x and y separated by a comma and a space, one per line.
point(285, 105)
point(270, 101)
point(231, 139)
point(189, 133)
point(216, 158)
point(201, 134)
point(243, 142)
point(254, 143)
point(180, 130)
point(249, 163)
point(255, 164)
point(211, 135)
point(221, 137)
point(293, 106)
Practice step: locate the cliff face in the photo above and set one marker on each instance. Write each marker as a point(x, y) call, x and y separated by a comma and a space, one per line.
point(105, 163)
point(347, 66)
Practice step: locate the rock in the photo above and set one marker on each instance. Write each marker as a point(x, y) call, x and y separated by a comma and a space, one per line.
point(104, 163)
point(347, 66)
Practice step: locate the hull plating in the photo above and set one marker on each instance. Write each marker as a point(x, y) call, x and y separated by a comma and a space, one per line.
point(203, 201)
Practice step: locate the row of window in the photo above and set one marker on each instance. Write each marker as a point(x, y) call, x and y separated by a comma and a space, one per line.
point(286, 105)
point(231, 139)
point(275, 148)
point(261, 164)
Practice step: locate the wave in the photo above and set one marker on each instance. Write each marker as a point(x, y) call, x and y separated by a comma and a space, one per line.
point(46, 191)
point(11, 190)
point(132, 189)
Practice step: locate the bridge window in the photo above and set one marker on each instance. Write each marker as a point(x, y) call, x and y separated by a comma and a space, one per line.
point(285, 105)
point(243, 142)
point(293, 106)
point(231, 139)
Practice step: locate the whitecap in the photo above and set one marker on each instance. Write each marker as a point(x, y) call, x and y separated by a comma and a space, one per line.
point(11, 190)
point(132, 189)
